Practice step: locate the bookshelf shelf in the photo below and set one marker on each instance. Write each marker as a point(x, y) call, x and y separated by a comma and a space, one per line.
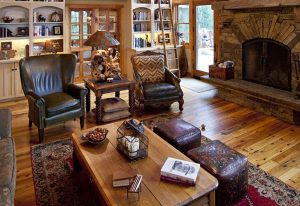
point(33, 21)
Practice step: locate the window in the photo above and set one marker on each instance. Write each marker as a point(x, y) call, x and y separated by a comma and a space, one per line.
point(183, 22)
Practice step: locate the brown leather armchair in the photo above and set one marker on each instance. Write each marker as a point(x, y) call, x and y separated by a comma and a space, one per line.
point(156, 84)
point(47, 82)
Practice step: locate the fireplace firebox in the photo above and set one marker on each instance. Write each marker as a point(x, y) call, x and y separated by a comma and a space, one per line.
point(267, 62)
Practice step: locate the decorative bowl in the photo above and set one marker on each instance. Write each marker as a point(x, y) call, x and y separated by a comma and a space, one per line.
point(95, 136)
point(7, 19)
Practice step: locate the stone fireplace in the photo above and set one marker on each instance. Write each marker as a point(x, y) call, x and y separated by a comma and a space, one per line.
point(270, 36)
point(267, 62)
point(262, 37)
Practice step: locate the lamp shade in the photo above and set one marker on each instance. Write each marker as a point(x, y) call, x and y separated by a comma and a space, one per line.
point(102, 39)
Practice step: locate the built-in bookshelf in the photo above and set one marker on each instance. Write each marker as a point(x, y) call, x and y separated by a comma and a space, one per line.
point(34, 24)
point(146, 26)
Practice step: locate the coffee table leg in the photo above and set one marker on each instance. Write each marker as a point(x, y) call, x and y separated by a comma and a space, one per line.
point(131, 99)
point(117, 94)
point(98, 110)
point(212, 198)
point(88, 100)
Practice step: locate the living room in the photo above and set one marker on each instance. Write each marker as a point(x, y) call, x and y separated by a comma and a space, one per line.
point(150, 102)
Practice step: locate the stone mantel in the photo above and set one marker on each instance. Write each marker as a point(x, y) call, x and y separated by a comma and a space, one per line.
point(247, 4)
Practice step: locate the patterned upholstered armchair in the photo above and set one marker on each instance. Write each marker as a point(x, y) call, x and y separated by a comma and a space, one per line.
point(156, 85)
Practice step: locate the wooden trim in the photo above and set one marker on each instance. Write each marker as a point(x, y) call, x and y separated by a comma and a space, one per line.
point(242, 4)
point(94, 6)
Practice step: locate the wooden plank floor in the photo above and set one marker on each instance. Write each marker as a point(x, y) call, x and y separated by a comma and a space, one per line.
point(268, 142)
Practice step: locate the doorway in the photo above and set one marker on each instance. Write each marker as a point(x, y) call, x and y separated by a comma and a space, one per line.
point(204, 34)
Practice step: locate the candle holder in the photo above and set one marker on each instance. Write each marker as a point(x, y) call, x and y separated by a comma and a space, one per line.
point(131, 141)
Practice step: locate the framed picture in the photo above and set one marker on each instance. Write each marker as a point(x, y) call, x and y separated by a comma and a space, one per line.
point(54, 46)
point(57, 30)
point(160, 38)
point(6, 45)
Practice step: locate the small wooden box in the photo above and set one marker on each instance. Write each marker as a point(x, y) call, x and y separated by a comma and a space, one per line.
point(221, 73)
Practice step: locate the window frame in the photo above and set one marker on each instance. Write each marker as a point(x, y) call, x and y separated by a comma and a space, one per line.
point(183, 23)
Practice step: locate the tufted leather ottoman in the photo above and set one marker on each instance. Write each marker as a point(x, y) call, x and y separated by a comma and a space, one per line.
point(179, 133)
point(228, 166)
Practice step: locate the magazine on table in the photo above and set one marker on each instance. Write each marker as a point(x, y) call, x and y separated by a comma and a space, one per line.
point(181, 170)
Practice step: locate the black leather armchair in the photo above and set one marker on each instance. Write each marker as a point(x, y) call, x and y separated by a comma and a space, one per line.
point(156, 84)
point(47, 82)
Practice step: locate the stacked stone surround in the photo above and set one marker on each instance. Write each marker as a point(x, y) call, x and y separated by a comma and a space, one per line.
point(281, 24)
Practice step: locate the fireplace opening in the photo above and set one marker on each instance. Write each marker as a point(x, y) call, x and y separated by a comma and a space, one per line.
point(267, 62)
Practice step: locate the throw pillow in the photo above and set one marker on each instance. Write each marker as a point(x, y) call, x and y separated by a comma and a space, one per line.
point(114, 104)
point(150, 68)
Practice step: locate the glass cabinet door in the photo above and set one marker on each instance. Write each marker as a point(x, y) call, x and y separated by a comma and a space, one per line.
point(87, 25)
point(75, 28)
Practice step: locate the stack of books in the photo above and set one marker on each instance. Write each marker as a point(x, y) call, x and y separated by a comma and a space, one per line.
point(123, 178)
point(179, 171)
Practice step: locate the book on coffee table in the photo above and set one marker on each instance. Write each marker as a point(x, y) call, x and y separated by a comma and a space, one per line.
point(122, 178)
point(177, 181)
point(180, 170)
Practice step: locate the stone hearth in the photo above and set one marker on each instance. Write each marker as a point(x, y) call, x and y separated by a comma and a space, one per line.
point(272, 24)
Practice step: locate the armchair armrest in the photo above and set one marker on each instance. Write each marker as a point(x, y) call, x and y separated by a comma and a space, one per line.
point(33, 97)
point(171, 78)
point(76, 91)
point(37, 108)
point(139, 90)
point(5, 126)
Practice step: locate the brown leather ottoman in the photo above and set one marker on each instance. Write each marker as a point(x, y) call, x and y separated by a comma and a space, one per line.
point(179, 133)
point(228, 166)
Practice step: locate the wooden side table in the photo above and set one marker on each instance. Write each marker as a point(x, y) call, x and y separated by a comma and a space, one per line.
point(100, 88)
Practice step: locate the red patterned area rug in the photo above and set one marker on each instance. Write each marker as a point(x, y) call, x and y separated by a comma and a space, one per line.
point(54, 180)
point(56, 183)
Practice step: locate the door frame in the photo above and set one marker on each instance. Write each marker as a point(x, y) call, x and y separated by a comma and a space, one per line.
point(196, 72)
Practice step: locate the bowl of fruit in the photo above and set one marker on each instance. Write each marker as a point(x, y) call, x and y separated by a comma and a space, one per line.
point(7, 19)
point(95, 136)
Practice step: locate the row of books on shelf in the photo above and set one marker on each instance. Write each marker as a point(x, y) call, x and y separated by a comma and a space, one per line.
point(157, 26)
point(42, 30)
point(165, 14)
point(140, 27)
point(179, 171)
point(5, 32)
point(140, 42)
point(162, 1)
point(141, 15)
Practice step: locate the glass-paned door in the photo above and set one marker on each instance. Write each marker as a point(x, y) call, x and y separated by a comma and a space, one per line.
point(204, 37)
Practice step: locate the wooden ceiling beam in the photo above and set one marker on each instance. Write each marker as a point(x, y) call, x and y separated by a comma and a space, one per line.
point(242, 4)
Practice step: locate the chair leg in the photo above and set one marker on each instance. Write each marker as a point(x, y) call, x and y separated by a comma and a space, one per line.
point(181, 101)
point(30, 124)
point(82, 122)
point(41, 135)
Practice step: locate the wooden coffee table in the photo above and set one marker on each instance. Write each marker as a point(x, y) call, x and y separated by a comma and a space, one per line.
point(100, 88)
point(102, 160)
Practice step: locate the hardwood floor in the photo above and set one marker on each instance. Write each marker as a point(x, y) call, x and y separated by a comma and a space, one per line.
point(267, 142)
